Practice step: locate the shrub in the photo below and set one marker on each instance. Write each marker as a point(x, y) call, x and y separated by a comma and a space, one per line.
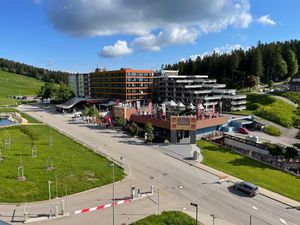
point(120, 122)
point(134, 129)
point(271, 130)
point(33, 136)
point(297, 145)
point(273, 149)
point(291, 152)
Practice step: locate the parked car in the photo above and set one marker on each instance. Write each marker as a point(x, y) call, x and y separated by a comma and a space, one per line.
point(246, 187)
point(243, 130)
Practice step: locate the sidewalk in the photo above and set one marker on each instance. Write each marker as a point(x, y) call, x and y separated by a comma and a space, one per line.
point(182, 157)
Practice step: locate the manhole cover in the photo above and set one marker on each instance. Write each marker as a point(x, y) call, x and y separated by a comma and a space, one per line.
point(184, 208)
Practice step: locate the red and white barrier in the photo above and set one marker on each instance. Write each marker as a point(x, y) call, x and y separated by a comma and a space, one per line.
point(101, 207)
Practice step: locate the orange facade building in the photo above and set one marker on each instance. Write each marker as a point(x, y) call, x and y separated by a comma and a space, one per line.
point(125, 84)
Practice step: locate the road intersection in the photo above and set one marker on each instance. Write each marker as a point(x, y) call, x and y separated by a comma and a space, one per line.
point(179, 184)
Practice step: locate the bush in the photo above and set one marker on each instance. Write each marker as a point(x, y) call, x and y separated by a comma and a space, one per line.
point(297, 145)
point(291, 152)
point(273, 131)
point(33, 136)
point(273, 149)
point(134, 129)
point(120, 122)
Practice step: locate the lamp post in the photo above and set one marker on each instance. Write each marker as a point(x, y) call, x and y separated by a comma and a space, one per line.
point(49, 192)
point(213, 217)
point(113, 177)
point(195, 205)
point(49, 188)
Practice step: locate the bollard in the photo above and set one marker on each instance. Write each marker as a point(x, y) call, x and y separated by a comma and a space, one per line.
point(56, 210)
point(132, 192)
point(139, 193)
point(152, 189)
point(62, 207)
point(25, 216)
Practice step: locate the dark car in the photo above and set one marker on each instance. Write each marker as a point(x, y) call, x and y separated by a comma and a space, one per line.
point(246, 187)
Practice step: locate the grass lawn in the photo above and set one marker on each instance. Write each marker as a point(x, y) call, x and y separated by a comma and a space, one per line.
point(269, 108)
point(13, 84)
point(291, 95)
point(24, 115)
point(250, 170)
point(77, 168)
point(167, 218)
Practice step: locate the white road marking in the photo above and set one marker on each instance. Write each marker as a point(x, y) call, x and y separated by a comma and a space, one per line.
point(283, 221)
point(253, 207)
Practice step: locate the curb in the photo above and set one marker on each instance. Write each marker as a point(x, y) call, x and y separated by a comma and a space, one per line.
point(230, 179)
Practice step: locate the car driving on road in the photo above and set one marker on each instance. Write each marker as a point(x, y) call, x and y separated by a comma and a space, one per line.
point(246, 187)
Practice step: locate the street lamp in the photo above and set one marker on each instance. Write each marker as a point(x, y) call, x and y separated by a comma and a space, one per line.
point(113, 205)
point(49, 192)
point(213, 217)
point(195, 205)
point(49, 188)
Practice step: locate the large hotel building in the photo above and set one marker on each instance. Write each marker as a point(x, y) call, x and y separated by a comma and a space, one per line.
point(129, 85)
point(124, 84)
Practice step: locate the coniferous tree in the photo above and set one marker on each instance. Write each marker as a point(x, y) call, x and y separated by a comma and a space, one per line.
point(257, 66)
point(292, 64)
point(279, 68)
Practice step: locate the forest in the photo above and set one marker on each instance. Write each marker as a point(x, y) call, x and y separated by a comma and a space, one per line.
point(263, 64)
point(31, 71)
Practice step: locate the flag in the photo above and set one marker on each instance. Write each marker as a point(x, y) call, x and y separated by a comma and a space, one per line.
point(163, 107)
point(138, 105)
point(213, 108)
point(198, 110)
point(150, 107)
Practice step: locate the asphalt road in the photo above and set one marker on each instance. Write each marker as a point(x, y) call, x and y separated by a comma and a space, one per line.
point(178, 182)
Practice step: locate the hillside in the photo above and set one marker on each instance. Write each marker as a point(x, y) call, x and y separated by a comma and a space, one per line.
point(243, 68)
point(32, 71)
point(13, 84)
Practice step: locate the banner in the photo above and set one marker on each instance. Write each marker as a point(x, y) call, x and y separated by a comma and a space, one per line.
point(138, 105)
point(198, 110)
point(163, 107)
point(150, 108)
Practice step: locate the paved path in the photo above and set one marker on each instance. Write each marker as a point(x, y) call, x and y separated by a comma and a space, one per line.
point(179, 184)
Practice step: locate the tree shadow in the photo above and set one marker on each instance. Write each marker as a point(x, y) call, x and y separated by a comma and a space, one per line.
point(250, 163)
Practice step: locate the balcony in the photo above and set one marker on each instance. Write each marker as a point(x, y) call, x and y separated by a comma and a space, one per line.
point(238, 102)
point(237, 108)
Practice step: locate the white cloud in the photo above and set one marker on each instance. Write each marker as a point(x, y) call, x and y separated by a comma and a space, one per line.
point(219, 50)
point(120, 48)
point(176, 21)
point(166, 37)
point(266, 20)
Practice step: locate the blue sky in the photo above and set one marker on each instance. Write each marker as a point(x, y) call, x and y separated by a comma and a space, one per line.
point(73, 35)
